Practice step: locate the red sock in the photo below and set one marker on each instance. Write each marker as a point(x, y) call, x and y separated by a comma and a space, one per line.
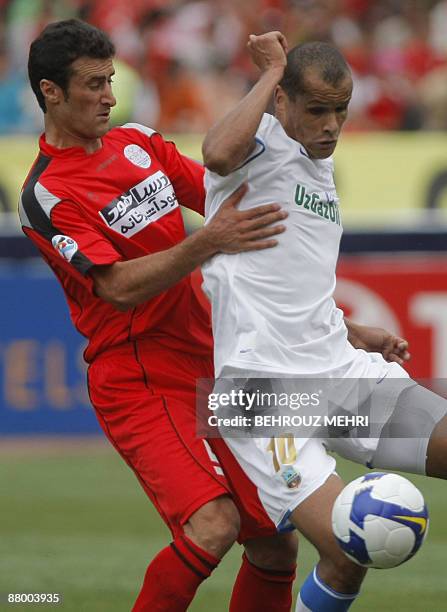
point(257, 589)
point(173, 577)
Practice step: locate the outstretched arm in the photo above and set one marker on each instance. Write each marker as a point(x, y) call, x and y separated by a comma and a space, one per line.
point(376, 339)
point(231, 139)
point(125, 284)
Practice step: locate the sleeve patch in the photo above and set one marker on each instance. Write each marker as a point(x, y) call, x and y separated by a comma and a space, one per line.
point(65, 246)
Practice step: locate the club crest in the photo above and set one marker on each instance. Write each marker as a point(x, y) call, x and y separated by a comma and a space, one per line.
point(137, 155)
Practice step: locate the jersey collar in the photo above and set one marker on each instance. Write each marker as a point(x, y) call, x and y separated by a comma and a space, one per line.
point(68, 152)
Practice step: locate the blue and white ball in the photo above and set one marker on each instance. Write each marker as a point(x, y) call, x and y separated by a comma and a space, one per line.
point(380, 520)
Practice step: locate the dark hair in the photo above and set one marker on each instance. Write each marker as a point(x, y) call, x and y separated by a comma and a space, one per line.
point(329, 62)
point(58, 46)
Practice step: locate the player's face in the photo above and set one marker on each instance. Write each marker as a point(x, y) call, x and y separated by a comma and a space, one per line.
point(316, 117)
point(84, 113)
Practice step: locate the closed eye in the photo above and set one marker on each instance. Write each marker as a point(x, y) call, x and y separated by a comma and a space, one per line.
point(98, 83)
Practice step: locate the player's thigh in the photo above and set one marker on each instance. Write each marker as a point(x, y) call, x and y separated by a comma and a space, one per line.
point(413, 438)
point(155, 434)
point(436, 464)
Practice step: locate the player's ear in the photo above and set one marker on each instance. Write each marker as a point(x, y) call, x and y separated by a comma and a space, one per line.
point(52, 93)
point(279, 101)
point(279, 96)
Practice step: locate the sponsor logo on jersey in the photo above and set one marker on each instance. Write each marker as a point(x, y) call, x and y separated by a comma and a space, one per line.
point(381, 377)
point(143, 204)
point(65, 246)
point(137, 155)
point(326, 209)
point(106, 163)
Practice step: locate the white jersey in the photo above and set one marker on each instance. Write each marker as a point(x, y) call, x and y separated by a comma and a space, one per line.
point(273, 310)
point(274, 317)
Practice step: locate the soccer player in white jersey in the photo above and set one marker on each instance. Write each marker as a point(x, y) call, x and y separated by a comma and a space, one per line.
point(274, 314)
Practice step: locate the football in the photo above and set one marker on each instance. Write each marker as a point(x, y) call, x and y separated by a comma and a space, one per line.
point(380, 520)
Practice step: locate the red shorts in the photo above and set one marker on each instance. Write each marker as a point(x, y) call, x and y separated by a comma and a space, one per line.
point(144, 398)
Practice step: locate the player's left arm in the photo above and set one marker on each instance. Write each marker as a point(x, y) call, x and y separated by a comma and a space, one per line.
point(378, 340)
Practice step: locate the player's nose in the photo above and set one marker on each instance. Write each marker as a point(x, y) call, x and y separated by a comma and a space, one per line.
point(108, 98)
point(331, 124)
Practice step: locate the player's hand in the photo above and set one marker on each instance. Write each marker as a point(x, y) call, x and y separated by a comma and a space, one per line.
point(378, 340)
point(234, 231)
point(268, 51)
point(395, 348)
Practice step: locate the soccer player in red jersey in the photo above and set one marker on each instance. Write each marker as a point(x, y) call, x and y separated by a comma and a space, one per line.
point(102, 206)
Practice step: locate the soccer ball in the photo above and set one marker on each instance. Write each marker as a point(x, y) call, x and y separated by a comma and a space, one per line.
point(380, 520)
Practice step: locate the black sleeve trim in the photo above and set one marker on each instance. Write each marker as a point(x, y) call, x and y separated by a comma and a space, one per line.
point(256, 153)
point(38, 218)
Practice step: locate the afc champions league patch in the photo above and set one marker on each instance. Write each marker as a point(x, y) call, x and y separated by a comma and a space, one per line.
point(291, 477)
point(65, 246)
point(137, 155)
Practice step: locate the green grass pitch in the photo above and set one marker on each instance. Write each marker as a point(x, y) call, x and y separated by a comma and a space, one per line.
point(76, 523)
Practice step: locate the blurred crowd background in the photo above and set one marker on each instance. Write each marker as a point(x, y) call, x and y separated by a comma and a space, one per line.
point(183, 63)
point(180, 65)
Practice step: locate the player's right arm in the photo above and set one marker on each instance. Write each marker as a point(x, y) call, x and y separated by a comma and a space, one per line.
point(229, 142)
point(125, 284)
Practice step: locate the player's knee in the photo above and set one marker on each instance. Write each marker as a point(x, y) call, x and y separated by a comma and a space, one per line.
point(215, 526)
point(341, 574)
point(277, 552)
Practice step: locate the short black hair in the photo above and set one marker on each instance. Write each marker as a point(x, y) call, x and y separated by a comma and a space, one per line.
point(329, 62)
point(58, 46)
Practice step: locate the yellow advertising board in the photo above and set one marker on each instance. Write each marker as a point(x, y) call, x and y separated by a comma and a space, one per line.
point(383, 179)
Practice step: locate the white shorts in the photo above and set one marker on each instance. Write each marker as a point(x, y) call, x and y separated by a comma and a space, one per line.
point(284, 471)
point(284, 475)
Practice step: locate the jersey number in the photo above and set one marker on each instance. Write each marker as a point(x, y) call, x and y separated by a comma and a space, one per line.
point(283, 451)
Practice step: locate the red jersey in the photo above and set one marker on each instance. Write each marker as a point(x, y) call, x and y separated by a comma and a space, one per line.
point(118, 203)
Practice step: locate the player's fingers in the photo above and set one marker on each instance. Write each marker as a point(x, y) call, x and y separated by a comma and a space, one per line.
point(401, 344)
point(402, 349)
point(251, 40)
point(260, 245)
point(265, 220)
point(399, 358)
point(276, 33)
point(266, 35)
point(237, 195)
point(261, 211)
point(265, 232)
point(283, 41)
point(392, 357)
